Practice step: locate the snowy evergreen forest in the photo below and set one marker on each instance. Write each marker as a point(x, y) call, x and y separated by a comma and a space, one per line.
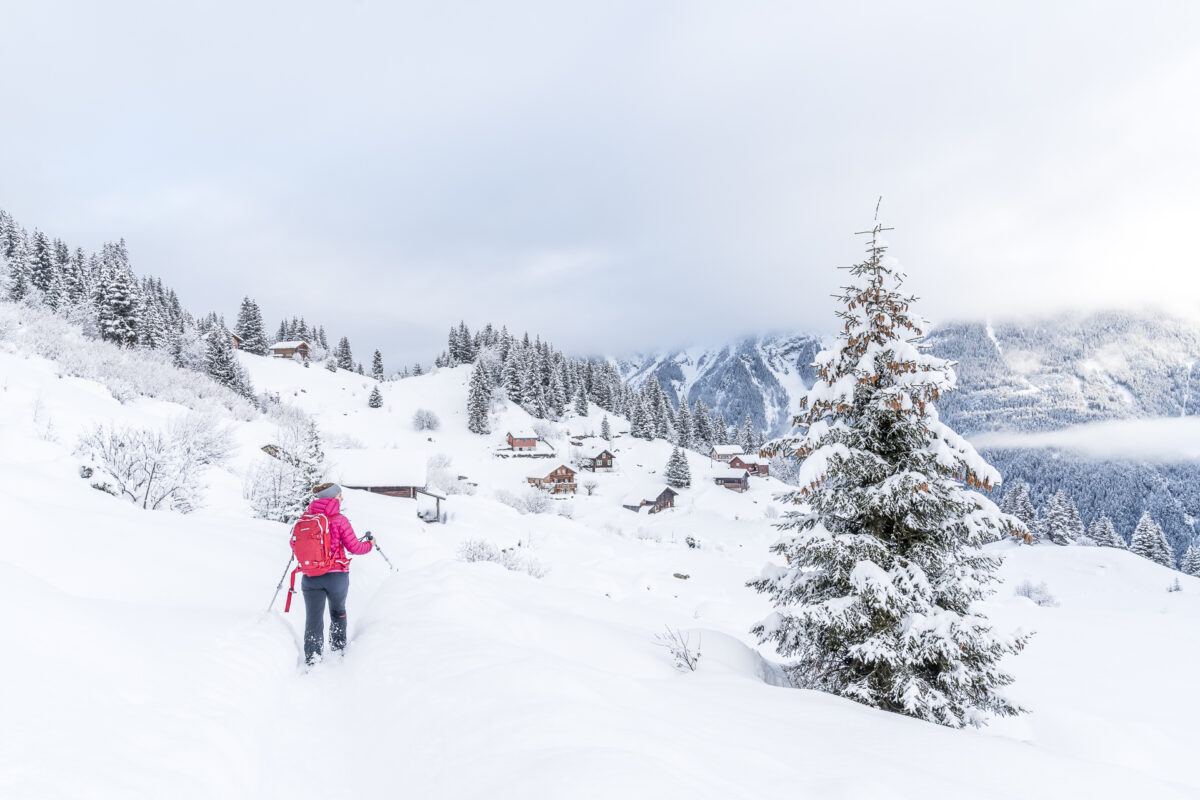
point(548, 385)
point(101, 294)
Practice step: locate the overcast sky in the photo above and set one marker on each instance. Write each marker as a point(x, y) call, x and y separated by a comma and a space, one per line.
point(616, 176)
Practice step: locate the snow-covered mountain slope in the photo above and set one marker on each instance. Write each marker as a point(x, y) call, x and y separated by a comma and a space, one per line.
point(760, 376)
point(1027, 375)
point(139, 662)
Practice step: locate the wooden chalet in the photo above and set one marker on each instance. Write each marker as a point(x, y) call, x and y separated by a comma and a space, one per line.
point(561, 480)
point(595, 457)
point(522, 440)
point(290, 350)
point(755, 465)
point(391, 473)
point(409, 492)
point(736, 479)
point(665, 499)
point(237, 341)
point(724, 452)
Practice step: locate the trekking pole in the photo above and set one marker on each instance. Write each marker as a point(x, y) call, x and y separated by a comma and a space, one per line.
point(375, 542)
point(282, 578)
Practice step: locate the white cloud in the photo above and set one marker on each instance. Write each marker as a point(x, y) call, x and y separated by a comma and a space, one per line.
point(1162, 439)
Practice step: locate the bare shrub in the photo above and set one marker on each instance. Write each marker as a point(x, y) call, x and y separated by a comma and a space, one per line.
point(531, 501)
point(126, 373)
point(156, 469)
point(545, 431)
point(1039, 594)
point(537, 501)
point(511, 558)
point(679, 645)
point(590, 486)
point(344, 441)
point(440, 476)
point(425, 420)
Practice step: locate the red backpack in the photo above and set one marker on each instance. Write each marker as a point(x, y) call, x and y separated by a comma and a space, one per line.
point(312, 545)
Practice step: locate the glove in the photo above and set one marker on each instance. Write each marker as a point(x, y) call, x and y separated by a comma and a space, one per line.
point(370, 537)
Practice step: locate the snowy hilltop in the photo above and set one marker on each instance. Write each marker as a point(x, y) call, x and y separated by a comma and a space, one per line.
point(518, 650)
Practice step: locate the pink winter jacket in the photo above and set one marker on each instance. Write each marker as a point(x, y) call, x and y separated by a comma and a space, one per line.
point(342, 533)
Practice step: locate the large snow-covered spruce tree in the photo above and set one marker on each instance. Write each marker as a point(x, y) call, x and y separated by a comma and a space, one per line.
point(884, 559)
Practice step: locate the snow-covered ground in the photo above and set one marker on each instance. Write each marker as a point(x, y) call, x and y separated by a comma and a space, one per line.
point(139, 661)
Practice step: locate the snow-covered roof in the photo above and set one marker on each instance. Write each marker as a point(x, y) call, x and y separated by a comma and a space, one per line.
point(730, 474)
point(288, 345)
point(543, 474)
point(756, 460)
point(376, 467)
point(727, 449)
point(593, 451)
point(650, 495)
point(523, 434)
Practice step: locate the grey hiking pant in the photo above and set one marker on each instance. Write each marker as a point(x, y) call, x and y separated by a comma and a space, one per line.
point(333, 586)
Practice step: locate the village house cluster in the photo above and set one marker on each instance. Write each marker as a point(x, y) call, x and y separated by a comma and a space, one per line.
point(733, 471)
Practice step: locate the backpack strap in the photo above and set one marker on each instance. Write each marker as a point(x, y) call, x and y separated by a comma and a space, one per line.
point(291, 591)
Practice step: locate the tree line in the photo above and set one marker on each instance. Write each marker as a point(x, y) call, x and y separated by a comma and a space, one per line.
point(101, 293)
point(1059, 522)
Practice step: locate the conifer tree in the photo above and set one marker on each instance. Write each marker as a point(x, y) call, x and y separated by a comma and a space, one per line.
point(479, 398)
point(641, 426)
point(1017, 503)
point(511, 375)
point(1058, 521)
point(605, 429)
point(118, 304)
point(417, 369)
point(41, 264)
point(1190, 565)
point(1150, 542)
point(1074, 524)
point(1104, 534)
point(702, 426)
point(678, 474)
point(684, 435)
point(345, 359)
point(249, 327)
point(376, 398)
point(219, 361)
point(581, 403)
point(308, 476)
point(556, 394)
point(720, 430)
point(884, 553)
point(377, 366)
point(532, 397)
point(18, 278)
point(748, 437)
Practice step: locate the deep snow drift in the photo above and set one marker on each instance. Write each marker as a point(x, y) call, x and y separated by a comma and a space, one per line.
point(139, 661)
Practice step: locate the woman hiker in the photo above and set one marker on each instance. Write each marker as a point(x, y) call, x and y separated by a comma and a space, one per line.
point(335, 584)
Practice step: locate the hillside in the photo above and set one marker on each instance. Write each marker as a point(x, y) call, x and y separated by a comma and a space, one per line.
point(149, 666)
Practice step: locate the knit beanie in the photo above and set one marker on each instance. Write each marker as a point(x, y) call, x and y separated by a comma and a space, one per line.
point(333, 490)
